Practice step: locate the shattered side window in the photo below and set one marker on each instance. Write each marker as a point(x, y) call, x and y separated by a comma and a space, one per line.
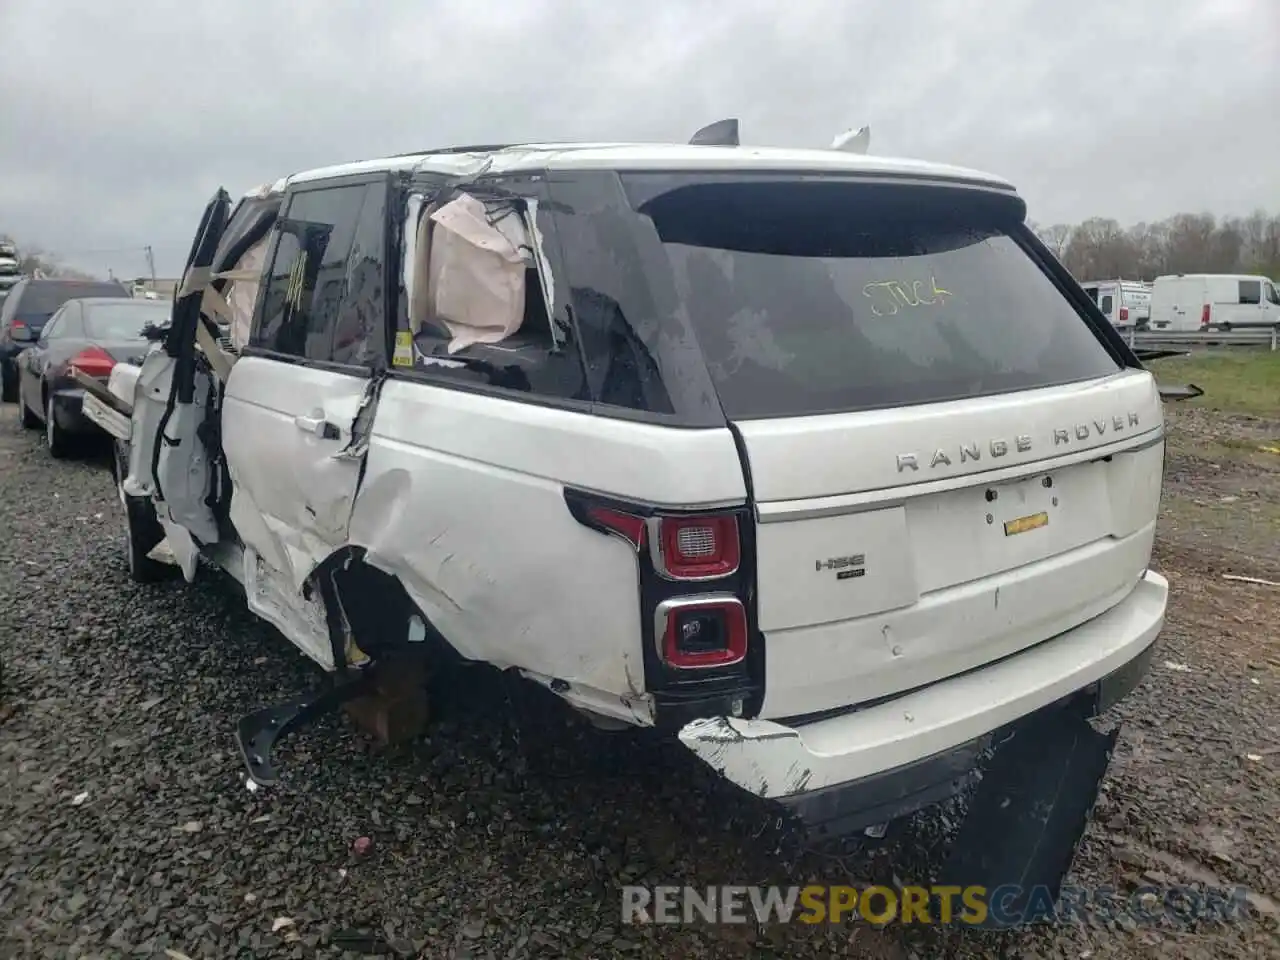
point(484, 306)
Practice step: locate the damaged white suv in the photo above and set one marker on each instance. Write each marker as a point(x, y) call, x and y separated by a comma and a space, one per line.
point(820, 461)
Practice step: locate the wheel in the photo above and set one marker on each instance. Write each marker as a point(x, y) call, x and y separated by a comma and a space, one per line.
point(55, 437)
point(142, 529)
point(8, 388)
point(29, 419)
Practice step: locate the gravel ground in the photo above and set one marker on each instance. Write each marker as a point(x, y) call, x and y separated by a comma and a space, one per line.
point(126, 828)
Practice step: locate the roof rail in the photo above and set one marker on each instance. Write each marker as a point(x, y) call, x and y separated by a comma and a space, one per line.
point(473, 148)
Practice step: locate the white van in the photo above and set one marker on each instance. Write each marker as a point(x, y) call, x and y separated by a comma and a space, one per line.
point(1126, 303)
point(1195, 301)
point(821, 463)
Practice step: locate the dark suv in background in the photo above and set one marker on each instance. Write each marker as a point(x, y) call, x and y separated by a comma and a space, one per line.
point(25, 310)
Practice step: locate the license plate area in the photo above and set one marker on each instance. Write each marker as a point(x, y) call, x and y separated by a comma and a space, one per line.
point(963, 535)
point(1022, 509)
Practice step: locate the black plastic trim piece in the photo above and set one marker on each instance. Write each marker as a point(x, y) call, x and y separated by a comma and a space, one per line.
point(679, 694)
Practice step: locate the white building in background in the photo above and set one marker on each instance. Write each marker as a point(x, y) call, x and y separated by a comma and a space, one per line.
point(161, 289)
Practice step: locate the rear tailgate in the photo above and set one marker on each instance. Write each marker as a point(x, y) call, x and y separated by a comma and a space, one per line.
point(949, 461)
point(1024, 516)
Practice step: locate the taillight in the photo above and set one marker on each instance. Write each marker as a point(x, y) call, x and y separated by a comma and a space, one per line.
point(693, 576)
point(695, 633)
point(695, 548)
point(625, 525)
point(16, 325)
point(1124, 314)
point(1205, 315)
point(93, 362)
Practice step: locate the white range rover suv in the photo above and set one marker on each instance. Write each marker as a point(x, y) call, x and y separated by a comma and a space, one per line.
point(819, 461)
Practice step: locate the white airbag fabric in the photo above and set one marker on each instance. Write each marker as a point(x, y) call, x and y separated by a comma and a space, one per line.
point(244, 291)
point(477, 274)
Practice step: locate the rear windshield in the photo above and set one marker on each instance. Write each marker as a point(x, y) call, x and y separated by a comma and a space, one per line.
point(811, 297)
point(43, 297)
point(124, 320)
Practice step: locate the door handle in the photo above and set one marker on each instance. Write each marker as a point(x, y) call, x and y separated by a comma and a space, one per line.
point(318, 426)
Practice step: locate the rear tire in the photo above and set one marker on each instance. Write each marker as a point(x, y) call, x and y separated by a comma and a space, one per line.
point(56, 439)
point(8, 386)
point(142, 530)
point(29, 419)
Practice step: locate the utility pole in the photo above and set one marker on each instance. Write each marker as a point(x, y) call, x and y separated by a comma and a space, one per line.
point(151, 264)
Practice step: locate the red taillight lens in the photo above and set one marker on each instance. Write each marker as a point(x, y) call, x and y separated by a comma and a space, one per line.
point(93, 362)
point(696, 548)
point(624, 525)
point(1124, 314)
point(694, 633)
point(1206, 314)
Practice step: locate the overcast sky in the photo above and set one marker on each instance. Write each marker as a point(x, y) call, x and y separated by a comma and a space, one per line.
point(118, 120)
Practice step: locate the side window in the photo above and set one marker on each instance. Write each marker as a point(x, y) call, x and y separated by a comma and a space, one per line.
point(1272, 294)
point(359, 331)
point(1106, 304)
point(50, 331)
point(70, 322)
point(307, 282)
point(540, 358)
point(10, 305)
point(1092, 292)
point(1251, 291)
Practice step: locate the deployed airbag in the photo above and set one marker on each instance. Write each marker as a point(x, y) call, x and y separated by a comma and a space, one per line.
point(477, 272)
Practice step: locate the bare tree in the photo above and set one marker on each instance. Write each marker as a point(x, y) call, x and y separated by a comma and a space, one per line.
point(1055, 237)
point(1099, 249)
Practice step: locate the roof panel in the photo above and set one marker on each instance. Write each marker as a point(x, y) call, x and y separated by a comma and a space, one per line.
point(653, 156)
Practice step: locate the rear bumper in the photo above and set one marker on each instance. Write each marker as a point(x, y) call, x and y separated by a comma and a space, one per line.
point(896, 757)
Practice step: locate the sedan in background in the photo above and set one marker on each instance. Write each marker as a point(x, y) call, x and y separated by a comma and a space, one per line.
point(91, 335)
point(29, 305)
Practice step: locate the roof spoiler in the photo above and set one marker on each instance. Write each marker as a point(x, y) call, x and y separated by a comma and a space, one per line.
point(724, 133)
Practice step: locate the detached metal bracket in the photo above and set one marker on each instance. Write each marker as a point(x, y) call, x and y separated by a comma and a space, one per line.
point(1185, 392)
point(257, 733)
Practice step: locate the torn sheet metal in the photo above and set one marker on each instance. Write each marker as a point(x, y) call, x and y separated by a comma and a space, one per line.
point(416, 513)
point(476, 271)
point(292, 488)
point(633, 710)
point(271, 596)
point(760, 756)
point(183, 469)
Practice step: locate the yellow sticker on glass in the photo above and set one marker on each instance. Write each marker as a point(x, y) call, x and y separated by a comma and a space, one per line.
point(403, 357)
